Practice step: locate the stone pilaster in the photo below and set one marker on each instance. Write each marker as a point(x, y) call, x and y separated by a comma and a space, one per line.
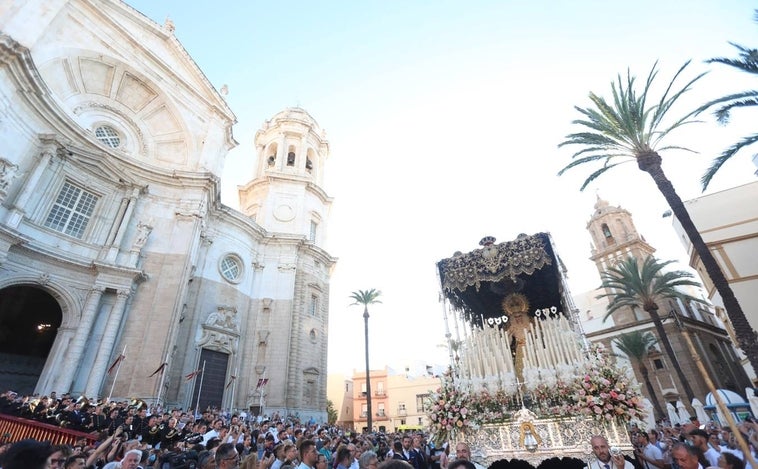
point(95, 381)
point(76, 349)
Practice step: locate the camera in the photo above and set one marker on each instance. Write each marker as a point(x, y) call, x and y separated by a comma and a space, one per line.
point(178, 461)
point(193, 438)
point(615, 451)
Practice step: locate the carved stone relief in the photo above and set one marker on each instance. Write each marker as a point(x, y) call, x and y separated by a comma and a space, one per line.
point(220, 331)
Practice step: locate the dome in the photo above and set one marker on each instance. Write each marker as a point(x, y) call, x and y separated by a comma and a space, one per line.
point(294, 114)
point(601, 203)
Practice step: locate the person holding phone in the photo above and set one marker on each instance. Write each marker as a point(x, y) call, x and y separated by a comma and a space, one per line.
point(607, 457)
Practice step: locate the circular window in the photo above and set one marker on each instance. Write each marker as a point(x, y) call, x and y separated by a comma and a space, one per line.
point(108, 136)
point(231, 268)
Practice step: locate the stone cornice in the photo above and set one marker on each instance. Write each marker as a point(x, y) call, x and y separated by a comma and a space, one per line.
point(218, 104)
point(18, 60)
point(272, 177)
point(605, 252)
point(241, 221)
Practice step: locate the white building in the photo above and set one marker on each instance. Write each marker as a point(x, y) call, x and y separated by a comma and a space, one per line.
point(112, 234)
point(728, 222)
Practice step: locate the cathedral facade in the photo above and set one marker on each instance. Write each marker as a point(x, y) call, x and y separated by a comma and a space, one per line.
point(113, 238)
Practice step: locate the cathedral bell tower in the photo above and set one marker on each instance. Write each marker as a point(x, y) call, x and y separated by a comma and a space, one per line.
point(286, 195)
point(615, 238)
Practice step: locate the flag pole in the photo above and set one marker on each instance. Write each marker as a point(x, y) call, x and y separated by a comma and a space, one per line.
point(260, 404)
point(163, 377)
point(234, 388)
point(118, 368)
point(200, 389)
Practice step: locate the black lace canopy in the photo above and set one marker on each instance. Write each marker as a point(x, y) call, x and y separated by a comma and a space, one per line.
point(477, 282)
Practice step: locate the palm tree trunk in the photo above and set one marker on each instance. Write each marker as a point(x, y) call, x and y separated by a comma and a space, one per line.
point(746, 336)
point(650, 390)
point(653, 312)
point(369, 423)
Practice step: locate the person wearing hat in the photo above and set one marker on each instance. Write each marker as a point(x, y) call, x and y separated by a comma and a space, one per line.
point(699, 439)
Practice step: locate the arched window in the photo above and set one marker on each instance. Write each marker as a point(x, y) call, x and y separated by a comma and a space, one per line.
point(270, 155)
point(606, 231)
point(309, 157)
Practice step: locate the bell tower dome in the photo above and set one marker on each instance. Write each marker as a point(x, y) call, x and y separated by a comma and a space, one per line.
point(614, 238)
point(286, 195)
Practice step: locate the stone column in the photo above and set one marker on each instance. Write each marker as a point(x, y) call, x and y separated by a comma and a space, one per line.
point(116, 245)
point(281, 159)
point(83, 330)
point(95, 380)
point(16, 214)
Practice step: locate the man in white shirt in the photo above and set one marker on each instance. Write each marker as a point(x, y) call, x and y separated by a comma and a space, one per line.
point(463, 452)
point(308, 455)
point(605, 460)
point(647, 453)
point(699, 440)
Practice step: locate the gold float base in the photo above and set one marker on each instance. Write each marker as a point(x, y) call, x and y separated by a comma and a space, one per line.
point(558, 438)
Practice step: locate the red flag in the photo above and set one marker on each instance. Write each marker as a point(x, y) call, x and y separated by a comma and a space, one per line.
point(159, 370)
point(116, 362)
point(261, 382)
point(230, 382)
point(193, 374)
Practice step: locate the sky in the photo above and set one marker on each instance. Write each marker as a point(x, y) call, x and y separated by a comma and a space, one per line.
point(444, 120)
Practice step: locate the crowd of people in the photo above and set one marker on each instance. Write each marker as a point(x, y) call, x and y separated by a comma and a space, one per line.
point(131, 435)
point(690, 446)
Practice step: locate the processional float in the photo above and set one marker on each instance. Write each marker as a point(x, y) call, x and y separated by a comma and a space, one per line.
point(523, 382)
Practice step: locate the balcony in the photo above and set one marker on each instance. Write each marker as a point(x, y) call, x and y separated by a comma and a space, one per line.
point(380, 393)
point(364, 414)
point(402, 412)
point(380, 413)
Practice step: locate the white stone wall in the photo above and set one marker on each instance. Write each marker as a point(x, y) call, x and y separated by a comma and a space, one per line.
point(145, 274)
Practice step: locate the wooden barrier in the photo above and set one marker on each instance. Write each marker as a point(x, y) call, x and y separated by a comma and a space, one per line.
point(13, 429)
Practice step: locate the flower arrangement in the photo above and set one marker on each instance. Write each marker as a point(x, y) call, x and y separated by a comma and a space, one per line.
point(597, 389)
point(449, 411)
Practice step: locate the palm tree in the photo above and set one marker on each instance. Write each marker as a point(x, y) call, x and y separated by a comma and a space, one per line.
point(636, 346)
point(365, 298)
point(746, 62)
point(630, 130)
point(631, 285)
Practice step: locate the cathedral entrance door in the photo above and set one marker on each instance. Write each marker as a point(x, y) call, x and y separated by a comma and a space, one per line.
point(213, 379)
point(29, 321)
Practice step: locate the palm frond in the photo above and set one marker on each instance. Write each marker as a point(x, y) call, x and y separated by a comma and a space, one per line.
point(625, 125)
point(365, 297)
point(677, 147)
point(748, 61)
point(722, 113)
point(631, 284)
point(598, 173)
point(719, 161)
point(666, 102)
point(635, 345)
